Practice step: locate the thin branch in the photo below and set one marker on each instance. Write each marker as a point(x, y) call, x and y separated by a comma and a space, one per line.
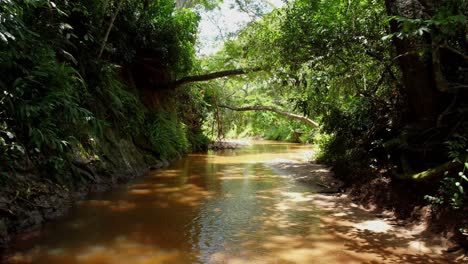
point(111, 24)
point(272, 109)
point(455, 51)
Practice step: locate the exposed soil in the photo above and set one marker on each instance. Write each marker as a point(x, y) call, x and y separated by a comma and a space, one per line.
point(406, 203)
point(414, 224)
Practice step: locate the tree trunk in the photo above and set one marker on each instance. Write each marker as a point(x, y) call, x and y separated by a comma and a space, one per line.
point(432, 79)
point(272, 109)
point(416, 64)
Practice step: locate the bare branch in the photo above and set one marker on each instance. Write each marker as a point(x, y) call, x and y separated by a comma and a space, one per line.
point(211, 76)
point(111, 24)
point(455, 51)
point(272, 109)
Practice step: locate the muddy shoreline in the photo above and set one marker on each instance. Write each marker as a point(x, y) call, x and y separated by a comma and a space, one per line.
point(406, 212)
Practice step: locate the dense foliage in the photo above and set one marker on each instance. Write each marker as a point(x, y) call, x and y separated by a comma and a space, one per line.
point(72, 71)
point(385, 79)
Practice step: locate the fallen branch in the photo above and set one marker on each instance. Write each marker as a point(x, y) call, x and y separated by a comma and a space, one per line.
point(272, 109)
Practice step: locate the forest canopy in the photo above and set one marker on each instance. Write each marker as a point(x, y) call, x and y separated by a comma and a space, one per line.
point(386, 81)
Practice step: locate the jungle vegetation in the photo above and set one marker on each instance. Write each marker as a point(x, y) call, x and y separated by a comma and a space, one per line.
point(384, 80)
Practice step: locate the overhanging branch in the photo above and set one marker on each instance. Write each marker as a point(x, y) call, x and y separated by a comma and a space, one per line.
point(211, 76)
point(272, 109)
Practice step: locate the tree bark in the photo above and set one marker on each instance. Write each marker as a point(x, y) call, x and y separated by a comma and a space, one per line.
point(417, 73)
point(430, 76)
point(272, 109)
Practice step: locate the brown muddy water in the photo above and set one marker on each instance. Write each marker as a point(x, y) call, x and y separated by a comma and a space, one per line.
point(228, 206)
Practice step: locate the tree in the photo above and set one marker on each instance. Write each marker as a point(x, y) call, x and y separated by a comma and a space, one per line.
point(431, 44)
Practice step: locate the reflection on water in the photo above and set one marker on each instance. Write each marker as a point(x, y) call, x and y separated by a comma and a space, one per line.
point(221, 207)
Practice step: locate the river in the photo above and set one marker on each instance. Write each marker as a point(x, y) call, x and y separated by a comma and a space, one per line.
point(228, 206)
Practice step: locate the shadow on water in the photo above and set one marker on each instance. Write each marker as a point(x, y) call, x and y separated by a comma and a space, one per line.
point(224, 207)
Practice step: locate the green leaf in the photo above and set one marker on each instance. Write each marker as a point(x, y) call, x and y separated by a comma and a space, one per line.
point(70, 57)
point(10, 135)
point(3, 37)
point(464, 177)
point(65, 26)
point(388, 37)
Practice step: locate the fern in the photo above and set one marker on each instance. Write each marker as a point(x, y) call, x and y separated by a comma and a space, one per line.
point(168, 135)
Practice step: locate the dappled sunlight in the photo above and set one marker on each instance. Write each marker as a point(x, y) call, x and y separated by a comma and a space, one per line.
point(255, 158)
point(227, 209)
point(374, 226)
point(419, 246)
point(126, 251)
point(297, 197)
point(165, 173)
point(116, 206)
point(186, 195)
point(140, 191)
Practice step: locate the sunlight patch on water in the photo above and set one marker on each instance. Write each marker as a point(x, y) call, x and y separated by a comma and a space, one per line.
point(127, 251)
point(140, 191)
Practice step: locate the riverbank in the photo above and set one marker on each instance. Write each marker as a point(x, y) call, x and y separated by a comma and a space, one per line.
point(229, 144)
point(30, 200)
point(407, 204)
point(380, 210)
